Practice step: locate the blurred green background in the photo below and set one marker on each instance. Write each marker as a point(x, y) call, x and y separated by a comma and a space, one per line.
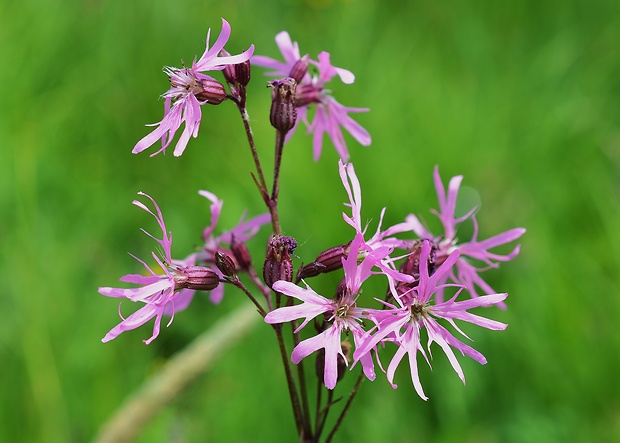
point(522, 98)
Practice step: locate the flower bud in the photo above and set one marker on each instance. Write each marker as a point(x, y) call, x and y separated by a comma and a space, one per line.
point(283, 112)
point(229, 71)
point(327, 261)
point(195, 277)
point(238, 74)
point(243, 72)
point(306, 94)
point(241, 254)
point(225, 264)
point(311, 270)
point(278, 263)
point(411, 266)
point(211, 91)
point(299, 69)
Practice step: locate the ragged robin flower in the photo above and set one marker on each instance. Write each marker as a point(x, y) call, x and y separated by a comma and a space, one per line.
point(159, 291)
point(189, 89)
point(330, 115)
point(416, 311)
point(342, 313)
point(472, 252)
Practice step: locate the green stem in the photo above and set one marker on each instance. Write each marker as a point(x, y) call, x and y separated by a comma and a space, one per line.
point(273, 201)
point(290, 382)
point(248, 131)
point(301, 376)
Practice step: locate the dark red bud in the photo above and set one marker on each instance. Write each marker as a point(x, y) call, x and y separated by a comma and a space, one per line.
point(212, 92)
point(278, 263)
point(311, 270)
point(306, 94)
point(241, 254)
point(299, 69)
point(327, 261)
point(283, 112)
point(225, 264)
point(195, 277)
point(243, 72)
point(229, 71)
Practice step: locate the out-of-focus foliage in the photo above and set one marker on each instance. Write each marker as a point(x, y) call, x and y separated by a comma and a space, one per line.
point(522, 98)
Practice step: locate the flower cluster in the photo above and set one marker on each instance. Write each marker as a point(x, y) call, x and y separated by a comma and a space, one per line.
point(330, 115)
point(189, 89)
point(431, 280)
point(172, 289)
point(415, 291)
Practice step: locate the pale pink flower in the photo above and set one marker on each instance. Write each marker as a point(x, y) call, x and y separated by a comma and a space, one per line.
point(402, 323)
point(190, 89)
point(465, 272)
point(159, 291)
point(242, 232)
point(342, 312)
point(380, 238)
point(330, 116)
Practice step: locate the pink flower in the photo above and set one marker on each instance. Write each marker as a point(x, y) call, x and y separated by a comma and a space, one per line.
point(290, 53)
point(159, 291)
point(403, 323)
point(242, 232)
point(465, 272)
point(342, 313)
point(380, 238)
point(330, 115)
point(190, 89)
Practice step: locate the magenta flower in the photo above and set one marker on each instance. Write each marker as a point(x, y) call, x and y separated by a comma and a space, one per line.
point(380, 238)
point(343, 314)
point(190, 89)
point(159, 291)
point(403, 323)
point(290, 53)
point(465, 272)
point(330, 115)
point(242, 232)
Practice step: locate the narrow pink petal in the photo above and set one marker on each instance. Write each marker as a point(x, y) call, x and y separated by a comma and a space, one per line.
point(216, 295)
point(227, 60)
point(330, 341)
point(266, 62)
point(134, 321)
point(417, 227)
point(285, 314)
point(307, 295)
point(136, 294)
point(218, 45)
point(289, 50)
point(180, 302)
point(139, 279)
point(435, 335)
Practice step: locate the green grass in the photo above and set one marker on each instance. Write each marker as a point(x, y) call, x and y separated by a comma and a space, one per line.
point(521, 98)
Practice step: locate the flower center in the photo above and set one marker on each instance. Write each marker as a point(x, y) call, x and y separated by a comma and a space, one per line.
point(342, 311)
point(418, 311)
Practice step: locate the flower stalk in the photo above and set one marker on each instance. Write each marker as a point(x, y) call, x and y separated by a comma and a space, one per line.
point(431, 281)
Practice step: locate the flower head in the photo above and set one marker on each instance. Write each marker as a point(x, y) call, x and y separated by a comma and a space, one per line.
point(465, 272)
point(159, 291)
point(380, 239)
point(402, 323)
point(189, 89)
point(330, 116)
point(241, 233)
point(342, 313)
